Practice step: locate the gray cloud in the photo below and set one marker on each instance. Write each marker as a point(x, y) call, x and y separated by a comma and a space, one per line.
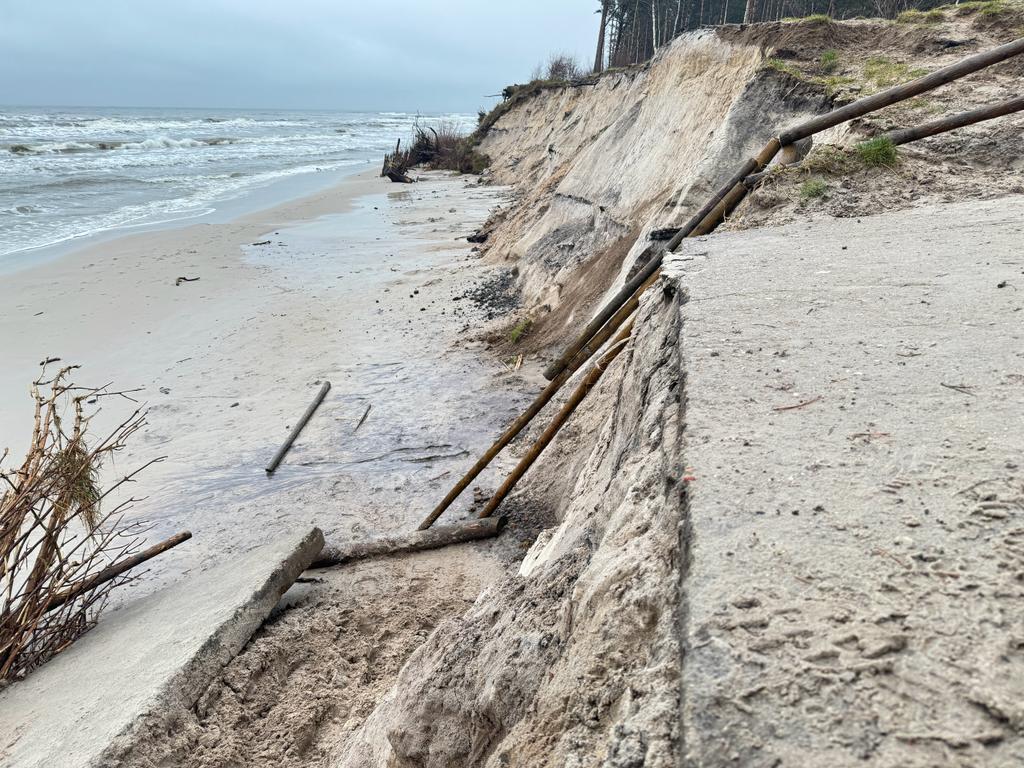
point(335, 54)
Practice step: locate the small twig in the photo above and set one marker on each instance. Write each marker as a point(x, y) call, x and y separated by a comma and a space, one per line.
point(963, 389)
point(181, 280)
point(798, 405)
point(971, 487)
point(869, 435)
point(365, 414)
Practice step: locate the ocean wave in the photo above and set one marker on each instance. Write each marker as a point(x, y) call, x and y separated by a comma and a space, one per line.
point(203, 198)
point(22, 210)
point(166, 142)
point(160, 142)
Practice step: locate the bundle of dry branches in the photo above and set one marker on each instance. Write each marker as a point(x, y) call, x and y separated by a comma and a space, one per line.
point(54, 531)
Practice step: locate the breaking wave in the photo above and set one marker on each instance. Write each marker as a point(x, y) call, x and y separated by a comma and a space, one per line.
point(72, 147)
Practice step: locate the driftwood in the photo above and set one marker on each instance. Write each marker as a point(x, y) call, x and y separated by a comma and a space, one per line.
point(417, 541)
point(116, 570)
point(396, 166)
point(324, 389)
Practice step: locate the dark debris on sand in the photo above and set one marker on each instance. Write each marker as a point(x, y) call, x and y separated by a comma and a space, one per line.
point(497, 295)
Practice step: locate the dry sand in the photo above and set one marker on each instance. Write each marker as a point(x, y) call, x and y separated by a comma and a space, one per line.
point(356, 285)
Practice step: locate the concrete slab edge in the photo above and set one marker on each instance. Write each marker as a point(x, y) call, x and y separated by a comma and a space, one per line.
point(182, 692)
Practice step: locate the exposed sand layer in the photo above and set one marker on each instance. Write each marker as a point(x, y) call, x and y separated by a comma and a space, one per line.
point(357, 285)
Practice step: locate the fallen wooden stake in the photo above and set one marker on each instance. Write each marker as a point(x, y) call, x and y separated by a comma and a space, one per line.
point(324, 389)
point(417, 541)
point(115, 570)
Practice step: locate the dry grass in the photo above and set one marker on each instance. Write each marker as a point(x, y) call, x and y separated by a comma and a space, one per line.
point(560, 67)
point(54, 530)
point(443, 147)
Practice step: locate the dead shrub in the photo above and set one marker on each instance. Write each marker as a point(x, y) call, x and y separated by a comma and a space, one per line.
point(55, 532)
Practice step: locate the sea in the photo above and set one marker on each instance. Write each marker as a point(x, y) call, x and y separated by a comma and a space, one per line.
point(69, 173)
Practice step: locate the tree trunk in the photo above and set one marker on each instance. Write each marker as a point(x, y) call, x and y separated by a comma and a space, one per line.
point(599, 56)
point(750, 12)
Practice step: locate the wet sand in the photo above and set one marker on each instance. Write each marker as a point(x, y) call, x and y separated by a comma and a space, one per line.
point(358, 285)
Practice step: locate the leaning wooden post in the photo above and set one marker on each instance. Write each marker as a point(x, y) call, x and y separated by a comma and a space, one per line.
point(588, 382)
point(324, 389)
point(951, 123)
point(902, 92)
point(653, 265)
point(115, 570)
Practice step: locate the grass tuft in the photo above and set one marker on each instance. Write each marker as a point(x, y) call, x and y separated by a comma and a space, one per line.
point(812, 189)
point(983, 7)
point(833, 83)
point(815, 18)
point(879, 151)
point(827, 159)
point(781, 65)
point(914, 16)
point(885, 72)
point(829, 61)
point(519, 330)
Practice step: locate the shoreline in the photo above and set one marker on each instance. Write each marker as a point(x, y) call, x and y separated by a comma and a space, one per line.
point(248, 202)
point(356, 285)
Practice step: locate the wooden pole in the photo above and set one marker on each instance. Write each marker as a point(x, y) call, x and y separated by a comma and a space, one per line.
point(906, 135)
point(539, 402)
point(584, 387)
point(901, 92)
point(115, 570)
point(324, 389)
point(417, 541)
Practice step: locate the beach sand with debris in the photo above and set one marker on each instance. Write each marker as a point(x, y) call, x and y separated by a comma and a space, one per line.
point(363, 285)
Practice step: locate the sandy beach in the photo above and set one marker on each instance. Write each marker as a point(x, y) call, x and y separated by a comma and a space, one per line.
point(360, 285)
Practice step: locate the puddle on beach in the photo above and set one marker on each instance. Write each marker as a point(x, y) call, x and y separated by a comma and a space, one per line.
point(367, 300)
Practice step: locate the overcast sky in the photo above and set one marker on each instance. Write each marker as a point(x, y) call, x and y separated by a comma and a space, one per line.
point(338, 54)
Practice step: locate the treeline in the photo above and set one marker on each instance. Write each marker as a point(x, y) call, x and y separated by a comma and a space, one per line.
point(632, 30)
